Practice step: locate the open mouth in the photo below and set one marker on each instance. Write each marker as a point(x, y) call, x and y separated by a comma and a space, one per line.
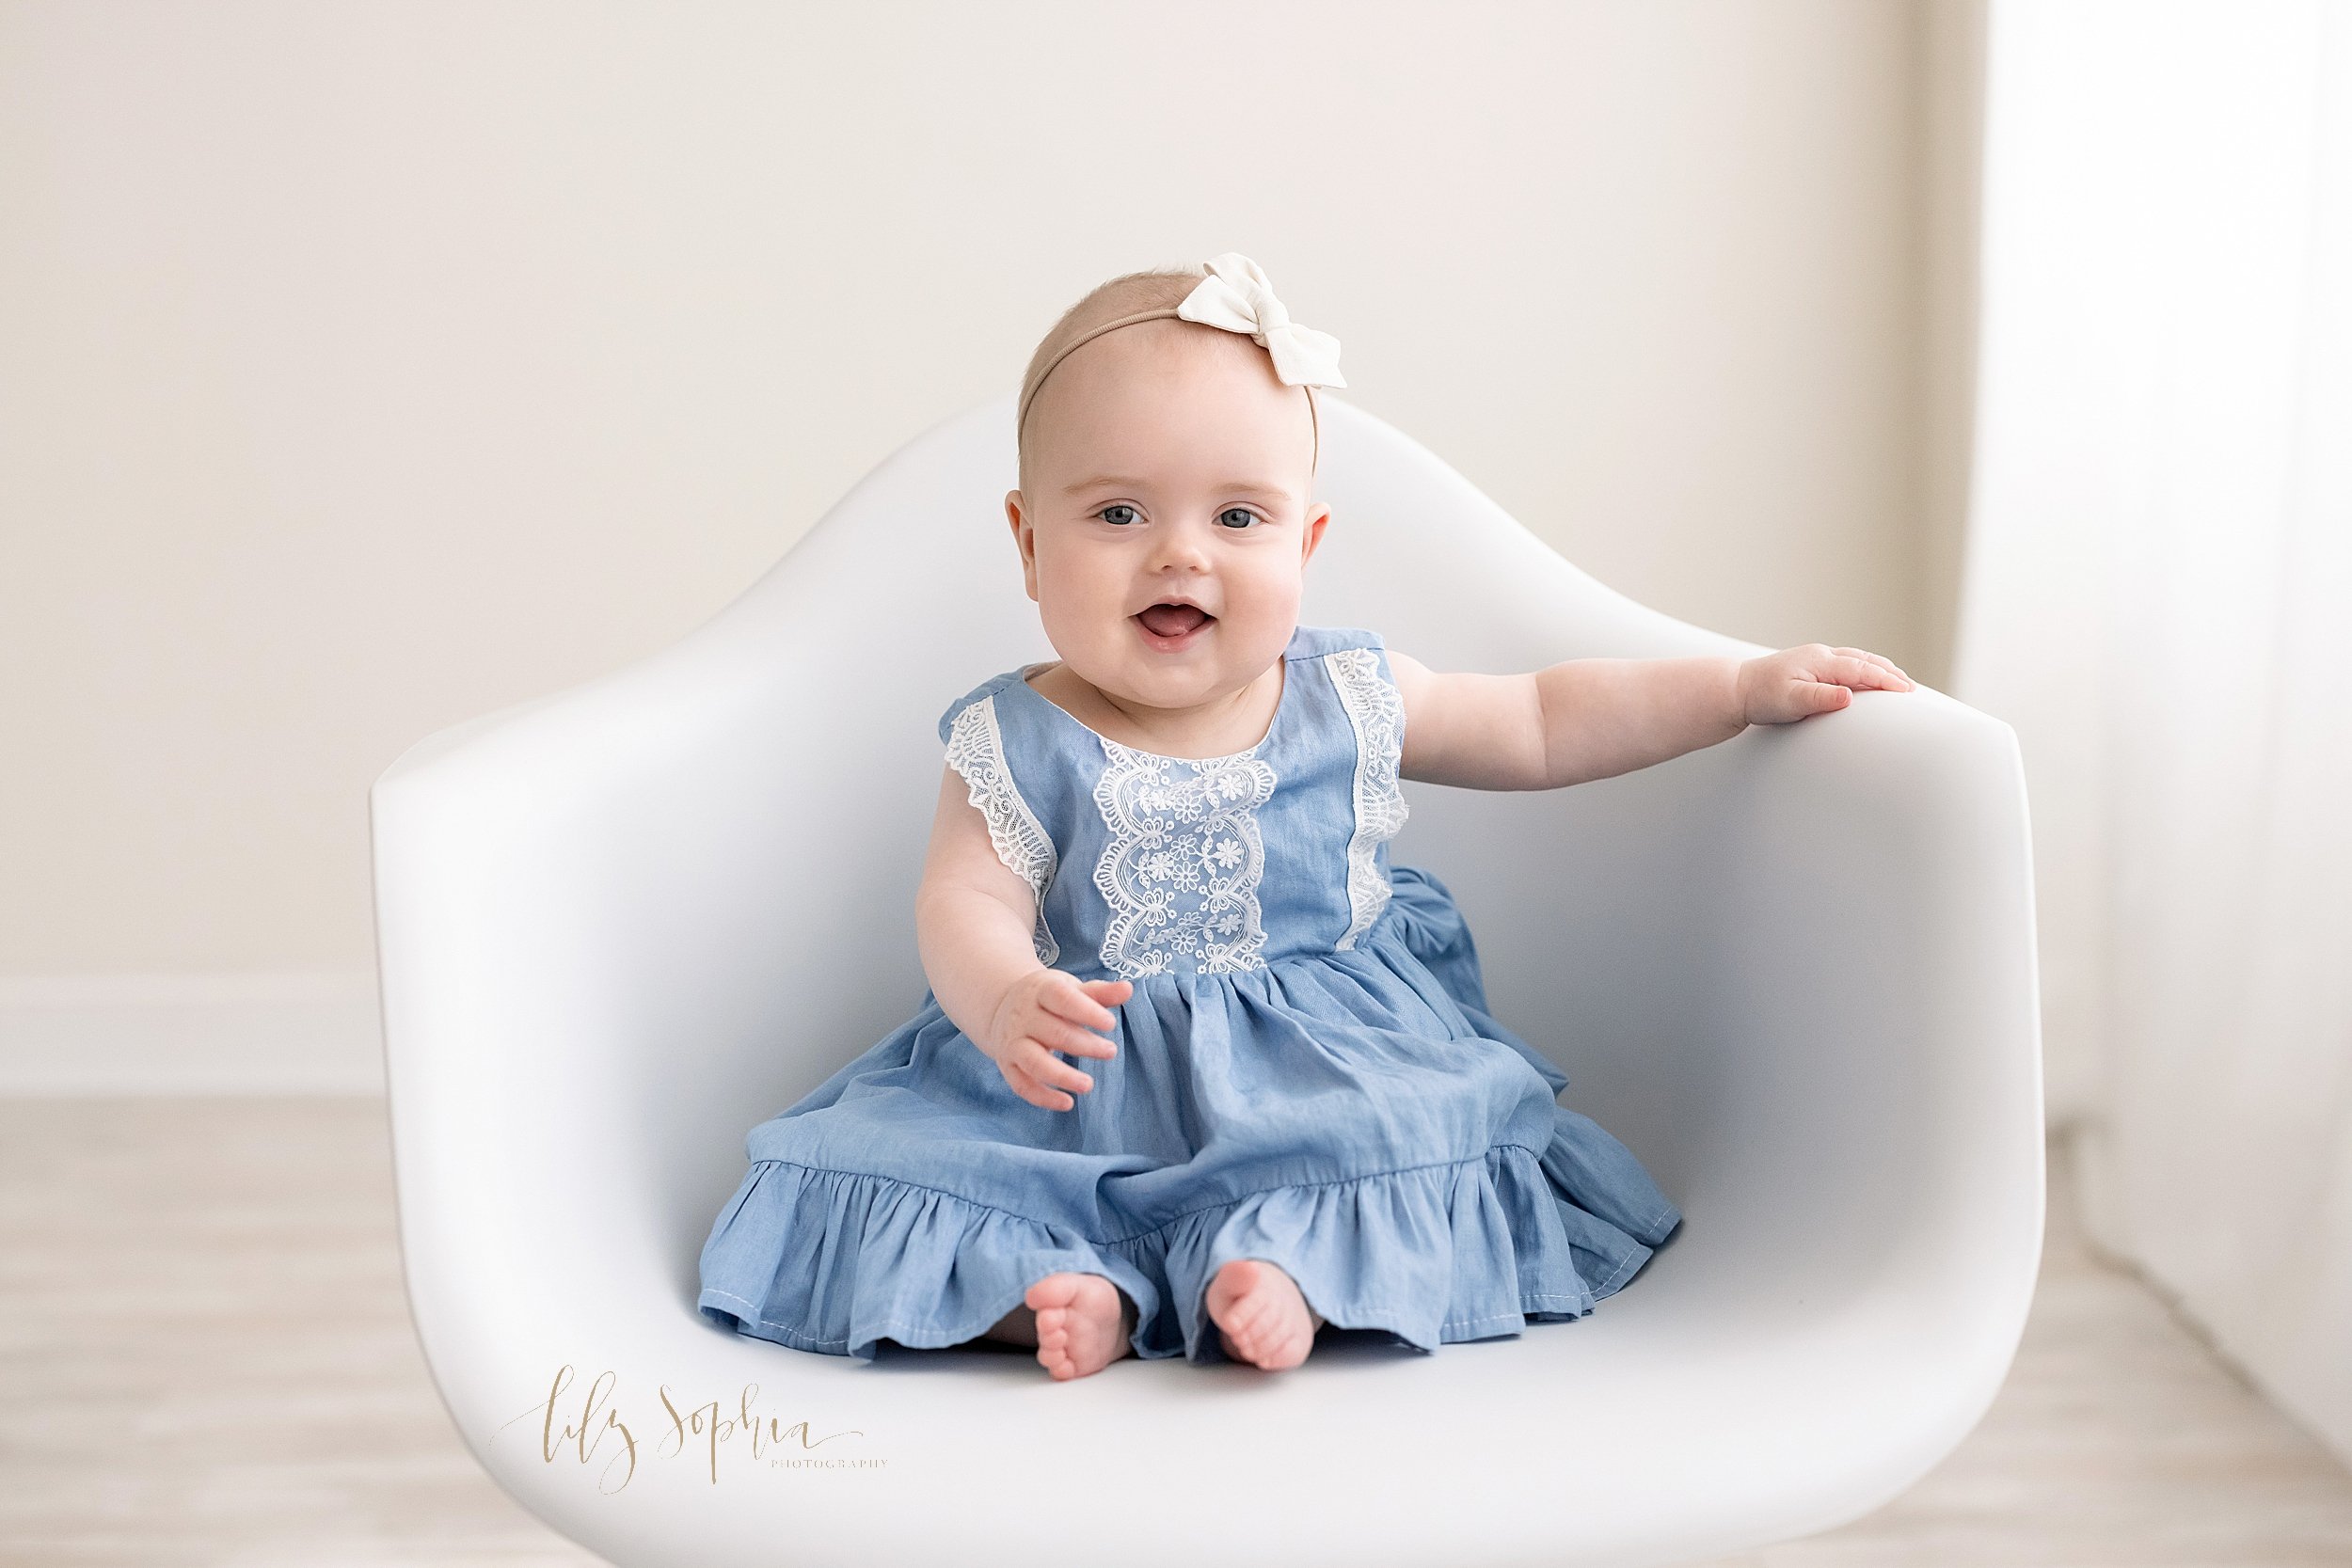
point(1172, 624)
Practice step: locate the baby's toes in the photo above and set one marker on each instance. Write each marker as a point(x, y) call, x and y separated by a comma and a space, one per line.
point(1247, 1313)
point(1081, 1322)
point(1054, 1355)
point(1276, 1345)
point(1258, 1347)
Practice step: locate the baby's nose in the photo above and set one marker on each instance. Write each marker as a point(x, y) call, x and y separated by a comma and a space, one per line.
point(1179, 548)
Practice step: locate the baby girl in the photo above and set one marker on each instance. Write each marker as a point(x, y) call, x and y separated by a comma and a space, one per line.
point(1166, 851)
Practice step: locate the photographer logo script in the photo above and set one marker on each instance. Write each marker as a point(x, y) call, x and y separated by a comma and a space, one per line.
point(588, 1427)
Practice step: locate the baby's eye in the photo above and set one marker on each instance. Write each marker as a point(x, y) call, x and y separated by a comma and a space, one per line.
point(1243, 512)
point(1118, 512)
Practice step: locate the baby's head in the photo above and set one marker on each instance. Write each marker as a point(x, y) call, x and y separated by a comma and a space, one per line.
point(1166, 461)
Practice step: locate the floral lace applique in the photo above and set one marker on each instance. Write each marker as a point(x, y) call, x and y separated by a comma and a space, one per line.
point(1182, 868)
point(976, 749)
point(1377, 712)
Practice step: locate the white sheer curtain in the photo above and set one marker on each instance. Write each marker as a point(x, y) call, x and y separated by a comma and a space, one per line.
point(2158, 596)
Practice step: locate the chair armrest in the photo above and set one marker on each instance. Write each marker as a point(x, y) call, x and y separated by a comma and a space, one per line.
point(1795, 973)
point(610, 942)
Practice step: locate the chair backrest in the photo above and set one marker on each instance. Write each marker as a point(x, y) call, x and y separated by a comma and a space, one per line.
point(914, 576)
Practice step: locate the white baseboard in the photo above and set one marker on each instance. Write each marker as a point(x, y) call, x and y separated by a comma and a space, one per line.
point(302, 1033)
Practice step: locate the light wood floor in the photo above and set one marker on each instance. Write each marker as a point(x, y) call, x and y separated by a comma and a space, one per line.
point(206, 1358)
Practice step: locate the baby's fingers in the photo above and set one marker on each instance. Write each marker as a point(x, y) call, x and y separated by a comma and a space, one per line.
point(1811, 697)
point(1058, 1035)
point(1862, 668)
point(1074, 1000)
point(1857, 673)
point(1039, 1063)
point(1036, 1093)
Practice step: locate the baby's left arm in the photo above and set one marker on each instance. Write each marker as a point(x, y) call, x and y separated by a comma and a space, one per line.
point(1592, 717)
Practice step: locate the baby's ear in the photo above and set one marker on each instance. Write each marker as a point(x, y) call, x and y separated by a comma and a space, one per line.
point(1317, 515)
point(1023, 539)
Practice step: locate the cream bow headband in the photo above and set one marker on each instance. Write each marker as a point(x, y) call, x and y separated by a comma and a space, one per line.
point(1236, 297)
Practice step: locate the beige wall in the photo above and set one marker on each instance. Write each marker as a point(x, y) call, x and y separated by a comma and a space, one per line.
point(366, 366)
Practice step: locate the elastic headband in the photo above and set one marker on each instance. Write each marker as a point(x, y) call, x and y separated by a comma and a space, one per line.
point(1236, 297)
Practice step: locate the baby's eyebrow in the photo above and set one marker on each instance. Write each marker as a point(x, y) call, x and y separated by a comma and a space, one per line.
point(1124, 482)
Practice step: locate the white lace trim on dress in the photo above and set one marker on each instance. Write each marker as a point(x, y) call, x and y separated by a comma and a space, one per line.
point(1182, 868)
point(976, 749)
point(1376, 711)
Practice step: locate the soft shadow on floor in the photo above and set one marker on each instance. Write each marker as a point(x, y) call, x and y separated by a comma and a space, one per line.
point(207, 1358)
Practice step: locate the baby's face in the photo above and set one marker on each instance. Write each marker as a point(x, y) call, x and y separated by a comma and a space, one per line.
point(1167, 462)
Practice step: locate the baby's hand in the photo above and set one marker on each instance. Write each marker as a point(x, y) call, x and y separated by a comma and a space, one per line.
point(1796, 683)
point(1044, 1012)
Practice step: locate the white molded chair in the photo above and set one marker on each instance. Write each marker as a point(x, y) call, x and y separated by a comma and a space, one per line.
point(619, 927)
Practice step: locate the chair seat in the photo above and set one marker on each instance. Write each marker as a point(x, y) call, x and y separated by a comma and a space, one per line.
point(619, 927)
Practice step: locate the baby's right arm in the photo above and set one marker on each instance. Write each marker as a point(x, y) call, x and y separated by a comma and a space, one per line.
point(973, 917)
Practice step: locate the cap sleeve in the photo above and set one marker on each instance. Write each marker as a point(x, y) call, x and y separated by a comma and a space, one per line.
point(1357, 660)
point(947, 719)
point(976, 749)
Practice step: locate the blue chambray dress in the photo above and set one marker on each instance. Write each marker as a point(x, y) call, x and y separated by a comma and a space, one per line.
point(1306, 1072)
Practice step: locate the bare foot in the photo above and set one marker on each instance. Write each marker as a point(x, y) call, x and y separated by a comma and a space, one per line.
point(1083, 1323)
point(1261, 1316)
